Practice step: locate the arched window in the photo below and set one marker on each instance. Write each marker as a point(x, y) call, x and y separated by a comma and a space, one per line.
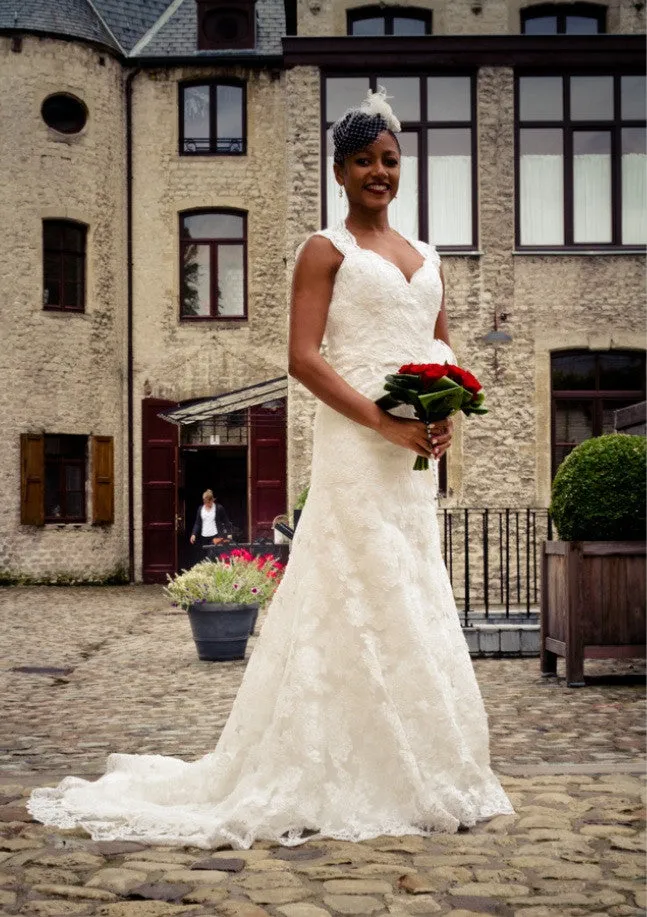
point(213, 264)
point(64, 265)
point(213, 118)
point(587, 387)
point(391, 20)
point(564, 19)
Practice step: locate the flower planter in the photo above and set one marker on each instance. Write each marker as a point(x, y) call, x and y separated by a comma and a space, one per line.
point(221, 631)
point(592, 603)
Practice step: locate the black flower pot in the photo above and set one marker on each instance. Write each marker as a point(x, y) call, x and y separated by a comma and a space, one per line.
point(221, 631)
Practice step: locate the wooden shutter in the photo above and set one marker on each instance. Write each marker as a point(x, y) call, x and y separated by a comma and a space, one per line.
point(32, 479)
point(160, 441)
point(103, 480)
point(268, 468)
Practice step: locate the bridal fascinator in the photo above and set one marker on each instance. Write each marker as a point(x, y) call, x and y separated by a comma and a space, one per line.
point(359, 127)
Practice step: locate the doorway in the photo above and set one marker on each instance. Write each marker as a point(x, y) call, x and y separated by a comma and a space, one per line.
point(222, 469)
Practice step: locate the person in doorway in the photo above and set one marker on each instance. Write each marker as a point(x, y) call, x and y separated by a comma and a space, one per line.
point(359, 714)
point(211, 526)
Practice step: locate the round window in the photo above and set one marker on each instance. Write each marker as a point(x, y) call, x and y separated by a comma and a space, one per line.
point(64, 113)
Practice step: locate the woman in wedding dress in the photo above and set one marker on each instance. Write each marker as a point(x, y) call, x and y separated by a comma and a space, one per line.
point(359, 714)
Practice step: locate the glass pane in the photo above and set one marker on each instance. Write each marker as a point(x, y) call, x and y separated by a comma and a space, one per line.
point(541, 178)
point(73, 295)
point(540, 98)
point(230, 119)
point(212, 226)
point(73, 477)
point(52, 294)
point(633, 97)
point(73, 268)
point(196, 119)
point(591, 98)
point(74, 505)
point(449, 98)
point(573, 371)
point(231, 280)
point(450, 186)
point(573, 422)
point(634, 186)
point(582, 25)
point(622, 371)
point(343, 93)
point(52, 236)
point(591, 186)
point(52, 268)
point(374, 26)
point(403, 211)
point(74, 238)
point(406, 25)
point(540, 25)
point(196, 280)
point(404, 96)
point(609, 408)
point(53, 506)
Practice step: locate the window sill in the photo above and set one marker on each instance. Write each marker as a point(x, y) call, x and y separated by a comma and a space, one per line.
point(67, 525)
point(459, 252)
point(579, 251)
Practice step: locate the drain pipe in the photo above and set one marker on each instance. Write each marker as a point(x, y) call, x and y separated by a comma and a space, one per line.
point(129, 327)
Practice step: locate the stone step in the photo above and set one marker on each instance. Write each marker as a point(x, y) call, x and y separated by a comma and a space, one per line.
point(502, 639)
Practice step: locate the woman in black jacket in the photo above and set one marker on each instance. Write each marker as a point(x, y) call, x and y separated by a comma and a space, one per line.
point(212, 525)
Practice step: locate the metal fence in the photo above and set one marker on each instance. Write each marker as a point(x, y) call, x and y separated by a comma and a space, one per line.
point(493, 559)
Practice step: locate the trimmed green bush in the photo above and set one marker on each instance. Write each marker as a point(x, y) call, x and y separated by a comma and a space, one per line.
point(599, 490)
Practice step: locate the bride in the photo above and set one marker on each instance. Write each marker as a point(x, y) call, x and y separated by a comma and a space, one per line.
point(359, 714)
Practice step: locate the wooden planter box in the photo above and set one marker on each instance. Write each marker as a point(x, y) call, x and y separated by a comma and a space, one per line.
point(592, 603)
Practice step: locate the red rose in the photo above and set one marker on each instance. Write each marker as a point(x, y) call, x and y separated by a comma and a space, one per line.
point(464, 378)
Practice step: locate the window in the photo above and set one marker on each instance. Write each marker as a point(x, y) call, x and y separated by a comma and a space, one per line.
point(226, 24)
point(213, 271)
point(376, 20)
point(587, 387)
point(64, 265)
point(569, 19)
point(212, 119)
point(64, 113)
point(437, 195)
point(53, 478)
point(581, 176)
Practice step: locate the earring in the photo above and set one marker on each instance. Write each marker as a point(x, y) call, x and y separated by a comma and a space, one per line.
point(341, 191)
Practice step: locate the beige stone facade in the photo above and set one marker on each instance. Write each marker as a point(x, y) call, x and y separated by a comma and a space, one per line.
point(63, 373)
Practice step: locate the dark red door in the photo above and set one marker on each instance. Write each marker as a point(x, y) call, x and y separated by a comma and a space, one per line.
point(159, 489)
point(268, 466)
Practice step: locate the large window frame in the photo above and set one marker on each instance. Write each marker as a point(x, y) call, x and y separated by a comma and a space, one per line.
point(569, 127)
point(214, 244)
point(561, 12)
point(64, 255)
point(212, 146)
point(597, 395)
point(421, 128)
point(60, 462)
point(388, 14)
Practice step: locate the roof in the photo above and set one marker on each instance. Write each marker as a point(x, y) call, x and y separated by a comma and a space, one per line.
point(137, 28)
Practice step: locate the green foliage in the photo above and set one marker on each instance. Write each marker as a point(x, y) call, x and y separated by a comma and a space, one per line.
point(237, 578)
point(301, 499)
point(599, 490)
point(116, 577)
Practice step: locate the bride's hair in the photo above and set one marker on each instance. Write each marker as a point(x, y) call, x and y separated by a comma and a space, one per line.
point(359, 127)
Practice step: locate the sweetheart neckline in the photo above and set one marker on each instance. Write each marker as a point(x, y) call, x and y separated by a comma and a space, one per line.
point(372, 251)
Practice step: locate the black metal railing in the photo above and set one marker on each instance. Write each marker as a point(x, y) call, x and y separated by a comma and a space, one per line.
point(492, 557)
point(213, 145)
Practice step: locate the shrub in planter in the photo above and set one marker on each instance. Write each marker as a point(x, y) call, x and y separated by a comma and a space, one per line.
point(599, 490)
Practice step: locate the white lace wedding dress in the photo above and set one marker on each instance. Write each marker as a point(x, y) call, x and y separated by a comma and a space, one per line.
point(359, 713)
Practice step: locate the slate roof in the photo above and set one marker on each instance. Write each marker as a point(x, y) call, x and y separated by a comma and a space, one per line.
point(123, 24)
point(68, 18)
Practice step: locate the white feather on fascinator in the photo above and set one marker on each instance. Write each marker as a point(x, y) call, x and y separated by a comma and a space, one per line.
point(376, 103)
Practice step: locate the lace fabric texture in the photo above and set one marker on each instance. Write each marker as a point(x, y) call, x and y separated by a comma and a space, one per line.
point(359, 714)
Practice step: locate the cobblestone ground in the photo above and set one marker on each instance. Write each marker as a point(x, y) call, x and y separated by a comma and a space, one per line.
point(121, 674)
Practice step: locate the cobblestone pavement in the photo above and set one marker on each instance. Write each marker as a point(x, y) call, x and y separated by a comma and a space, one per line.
point(121, 674)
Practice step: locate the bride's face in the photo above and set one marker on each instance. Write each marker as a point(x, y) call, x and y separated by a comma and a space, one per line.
point(372, 175)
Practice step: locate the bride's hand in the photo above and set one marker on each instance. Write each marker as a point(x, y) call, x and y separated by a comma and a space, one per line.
point(412, 434)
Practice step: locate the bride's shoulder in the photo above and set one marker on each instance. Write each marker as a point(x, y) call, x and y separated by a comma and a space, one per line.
point(326, 244)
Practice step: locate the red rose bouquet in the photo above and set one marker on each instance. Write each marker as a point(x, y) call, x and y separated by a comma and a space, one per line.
point(435, 391)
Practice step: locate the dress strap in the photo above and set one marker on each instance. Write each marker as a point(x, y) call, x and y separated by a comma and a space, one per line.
point(427, 250)
point(340, 237)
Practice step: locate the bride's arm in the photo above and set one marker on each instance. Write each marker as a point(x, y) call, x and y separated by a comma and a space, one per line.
point(312, 287)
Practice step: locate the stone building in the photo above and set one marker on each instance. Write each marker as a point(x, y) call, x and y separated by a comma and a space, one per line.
point(161, 162)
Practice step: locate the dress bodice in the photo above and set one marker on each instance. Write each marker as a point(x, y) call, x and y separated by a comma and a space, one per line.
point(377, 319)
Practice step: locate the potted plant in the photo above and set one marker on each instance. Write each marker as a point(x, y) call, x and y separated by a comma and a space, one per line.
point(222, 598)
point(593, 579)
point(300, 503)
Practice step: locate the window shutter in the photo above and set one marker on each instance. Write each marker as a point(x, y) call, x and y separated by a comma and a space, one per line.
point(103, 480)
point(32, 479)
